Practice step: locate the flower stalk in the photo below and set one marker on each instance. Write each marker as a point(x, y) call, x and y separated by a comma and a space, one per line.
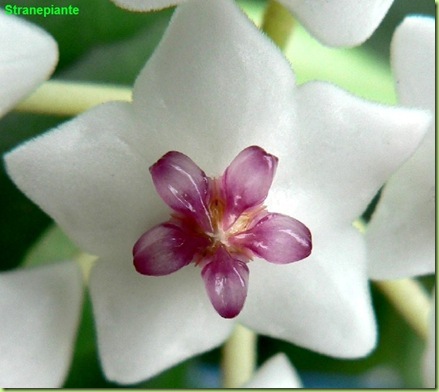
point(278, 23)
point(239, 357)
point(410, 299)
point(63, 98)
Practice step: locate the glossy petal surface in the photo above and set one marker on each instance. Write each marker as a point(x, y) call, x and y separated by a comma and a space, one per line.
point(40, 310)
point(339, 22)
point(276, 372)
point(226, 282)
point(277, 238)
point(401, 234)
point(148, 324)
point(28, 56)
point(183, 186)
point(247, 180)
point(165, 249)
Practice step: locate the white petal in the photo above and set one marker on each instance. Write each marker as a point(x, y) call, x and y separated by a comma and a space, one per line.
point(146, 5)
point(429, 360)
point(40, 310)
point(401, 234)
point(339, 22)
point(276, 372)
point(203, 94)
point(344, 150)
point(148, 324)
point(89, 178)
point(321, 303)
point(28, 56)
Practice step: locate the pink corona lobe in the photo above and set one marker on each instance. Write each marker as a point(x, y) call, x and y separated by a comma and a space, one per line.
point(220, 224)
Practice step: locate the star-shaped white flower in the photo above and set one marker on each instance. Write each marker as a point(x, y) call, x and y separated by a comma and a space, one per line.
point(401, 233)
point(40, 307)
point(276, 372)
point(28, 56)
point(333, 22)
point(209, 96)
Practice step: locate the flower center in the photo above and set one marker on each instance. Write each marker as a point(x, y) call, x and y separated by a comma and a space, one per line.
point(219, 224)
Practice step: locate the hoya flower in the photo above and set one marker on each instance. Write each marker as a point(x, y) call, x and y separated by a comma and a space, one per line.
point(40, 309)
point(220, 224)
point(401, 233)
point(333, 22)
point(28, 56)
point(276, 372)
point(211, 96)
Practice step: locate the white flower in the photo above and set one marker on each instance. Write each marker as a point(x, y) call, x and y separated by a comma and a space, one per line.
point(333, 22)
point(40, 307)
point(28, 56)
point(209, 96)
point(276, 372)
point(401, 233)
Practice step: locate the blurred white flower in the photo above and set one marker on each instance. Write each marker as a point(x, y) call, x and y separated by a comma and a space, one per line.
point(39, 307)
point(401, 233)
point(276, 372)
point(209, 96)
point(28, 56)
point(40, 311)
point(333, 22)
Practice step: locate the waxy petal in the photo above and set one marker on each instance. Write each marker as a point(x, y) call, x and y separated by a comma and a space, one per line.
point(203, 102)
point(147, 324)
point(28, 56)
point(247, 180)
point(88, 175)
point(322, 304)
point(276, 238)
point(165, 249)
point(276, 372)
point(183, 186)
point(226, 281)
point(339, 22)
point(40, 310)
point(401, 234)
point(341, 154)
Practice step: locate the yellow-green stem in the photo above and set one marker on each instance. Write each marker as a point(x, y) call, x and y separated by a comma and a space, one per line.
point(71, 98)
point(278, 23)
point(239, 357)
point(410, 299)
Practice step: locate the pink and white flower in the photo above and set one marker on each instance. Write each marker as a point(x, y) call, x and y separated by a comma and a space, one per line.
point(210, 96)
point(220, 225)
